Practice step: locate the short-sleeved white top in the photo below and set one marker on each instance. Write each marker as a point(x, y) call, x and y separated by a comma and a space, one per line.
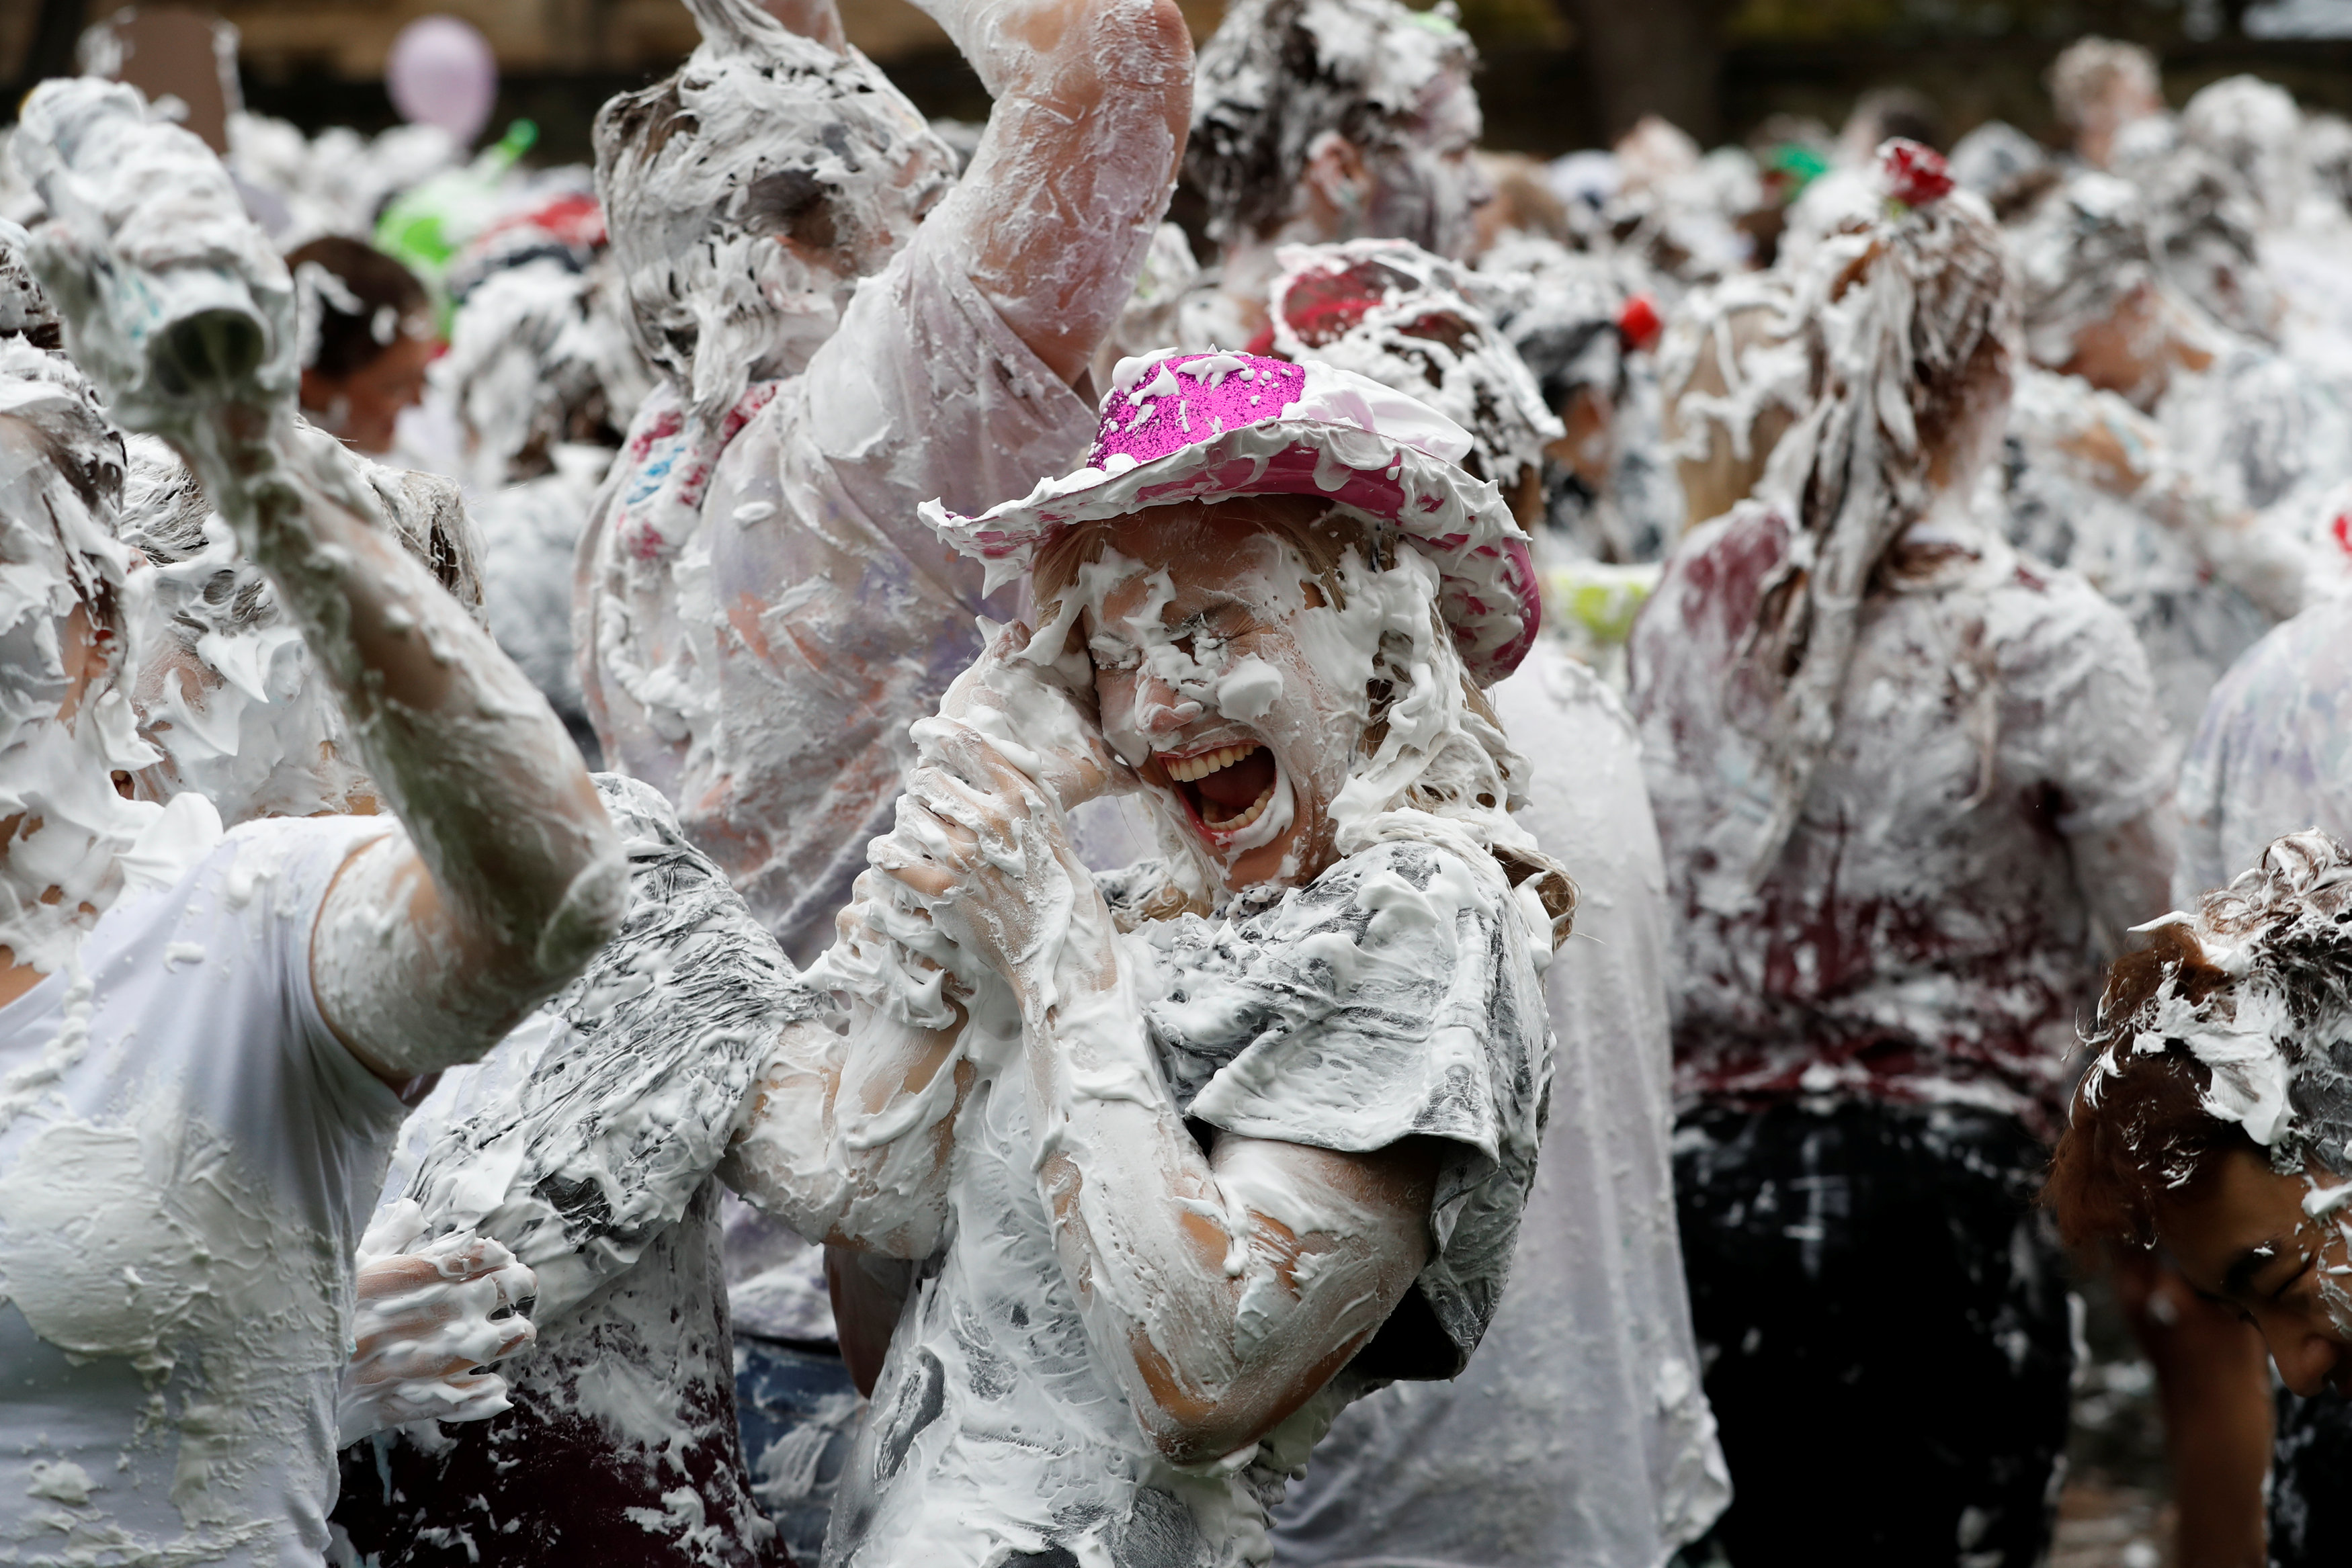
point(1393, 997)
point(187, 1155)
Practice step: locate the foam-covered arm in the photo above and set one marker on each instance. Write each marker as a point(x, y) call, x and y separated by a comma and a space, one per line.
point(593, 1130)
point(849, 1137)
point(1225, 1287)
point(1059, 208)
point(847, 1142)
point(431, 945)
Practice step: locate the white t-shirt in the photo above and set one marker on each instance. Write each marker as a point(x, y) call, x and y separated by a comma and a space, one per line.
point(187, 1155)
point(1393, 997)
point(1579, 1433)
point(1922, 939)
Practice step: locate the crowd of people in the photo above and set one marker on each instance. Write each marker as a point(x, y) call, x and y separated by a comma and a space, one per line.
point(824, 847)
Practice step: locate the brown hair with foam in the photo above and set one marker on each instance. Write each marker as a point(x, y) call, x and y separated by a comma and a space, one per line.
point(2140, 1132)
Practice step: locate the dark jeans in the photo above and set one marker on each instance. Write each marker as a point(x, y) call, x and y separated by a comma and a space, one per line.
point(799, 1410)
point(2311, 1483)
point(1884, 1321)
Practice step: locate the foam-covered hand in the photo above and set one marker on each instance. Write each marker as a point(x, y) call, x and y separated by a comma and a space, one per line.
point(171, 297)
point(986, 849)
point(1038, 714)
point(889, 954)
point(431, 1320)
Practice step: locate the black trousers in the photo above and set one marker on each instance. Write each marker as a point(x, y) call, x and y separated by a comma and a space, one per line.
point(2311, 1483)
point(1885, 1322)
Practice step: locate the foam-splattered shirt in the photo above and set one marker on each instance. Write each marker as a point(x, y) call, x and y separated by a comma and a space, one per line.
point(587, 1142)
point(186, 1153)
point(1393, 997)
point(761, 613)
point(1922, 939)
point(1578, 1434)
point(2274, 755)
point(2192, 622)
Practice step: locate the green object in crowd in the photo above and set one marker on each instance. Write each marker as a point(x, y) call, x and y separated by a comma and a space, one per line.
point(425, 227)
point(1602, 601)
point(1801, 165)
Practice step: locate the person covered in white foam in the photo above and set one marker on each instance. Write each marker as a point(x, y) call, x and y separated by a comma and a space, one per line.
point(1906, 785)
point(2094, 480)
point(204, 1039)
point(1577, 1433)
point(840, 335)
point(1194, 1153)
point(605, 1194)
point(1322, 121)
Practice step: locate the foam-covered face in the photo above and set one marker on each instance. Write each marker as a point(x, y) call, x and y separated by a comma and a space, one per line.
point(725, 277)
point(2130, 98)
point(2273, 1247)
point(1428, 189)
point(1227, 680)
point(843, 235)
point(2131, 351)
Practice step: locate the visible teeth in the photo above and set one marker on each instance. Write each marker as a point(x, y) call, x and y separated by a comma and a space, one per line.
point(1184, 770)
point(1258, 810)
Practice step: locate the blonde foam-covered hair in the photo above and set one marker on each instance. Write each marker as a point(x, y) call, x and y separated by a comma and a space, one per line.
point(1908, 320)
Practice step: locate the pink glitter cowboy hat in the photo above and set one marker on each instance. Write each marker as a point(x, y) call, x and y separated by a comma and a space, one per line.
point(1205, 427)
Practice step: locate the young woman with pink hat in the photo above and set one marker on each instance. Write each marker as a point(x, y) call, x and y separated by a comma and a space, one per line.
point(1195, 1153)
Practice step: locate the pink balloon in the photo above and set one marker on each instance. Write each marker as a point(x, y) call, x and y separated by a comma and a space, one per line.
point(441, 72)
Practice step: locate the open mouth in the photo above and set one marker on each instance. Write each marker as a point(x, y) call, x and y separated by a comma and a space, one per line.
point(1226, 788)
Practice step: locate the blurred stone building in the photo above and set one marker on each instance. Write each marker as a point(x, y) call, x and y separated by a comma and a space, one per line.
point(1559, 74)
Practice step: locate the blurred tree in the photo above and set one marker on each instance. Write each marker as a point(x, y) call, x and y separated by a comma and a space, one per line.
point(1653, 57)
point(50, 51)
point(1500, 25)
point(2148, 21)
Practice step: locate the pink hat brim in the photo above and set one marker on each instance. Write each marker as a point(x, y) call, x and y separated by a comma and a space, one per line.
point(1487, 585)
